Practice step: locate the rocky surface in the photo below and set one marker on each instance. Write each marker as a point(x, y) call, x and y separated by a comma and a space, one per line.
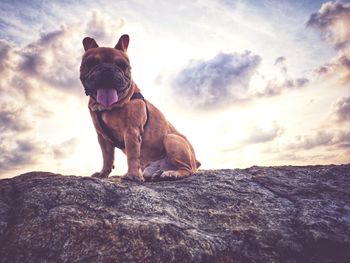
point(260, 214)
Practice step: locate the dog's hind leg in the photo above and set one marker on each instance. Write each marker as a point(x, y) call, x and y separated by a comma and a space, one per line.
point(180, 155)
point(153, 171)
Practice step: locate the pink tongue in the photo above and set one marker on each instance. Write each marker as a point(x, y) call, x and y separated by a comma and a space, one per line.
point(107, 96)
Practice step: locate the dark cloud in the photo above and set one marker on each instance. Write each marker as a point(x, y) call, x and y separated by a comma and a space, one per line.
point(12, 119)
point(33, 55)
point(18, 154)
point(342, 109)
point(311, 141)
point(343, 139)
point(339, 67)
point(5, 48)
point(344, 61)
point(332, 21)
point(48, 60)
point(17, 147)
point(31, 62)
point(49, 63)
point(216, 82)
point(330, 17)
point(335, 139)
point(323, 70)
point(297, 83)
point(226, 78)
point(276, 87)
point(280, 62)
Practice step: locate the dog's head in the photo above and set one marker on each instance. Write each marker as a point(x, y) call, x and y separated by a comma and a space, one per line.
point(105, 72)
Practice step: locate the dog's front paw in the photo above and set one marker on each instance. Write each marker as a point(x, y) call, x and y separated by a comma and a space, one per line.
point(100, 175)
point(174, 175)
point(168, 175)
point(133, 177)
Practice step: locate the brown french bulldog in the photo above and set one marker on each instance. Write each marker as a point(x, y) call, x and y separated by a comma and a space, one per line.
point(122, 118)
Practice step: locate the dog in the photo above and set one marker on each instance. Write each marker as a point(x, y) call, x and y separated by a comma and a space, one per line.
point(123, 119)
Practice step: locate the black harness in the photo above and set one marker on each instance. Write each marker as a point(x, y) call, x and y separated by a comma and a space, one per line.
point(118, 144)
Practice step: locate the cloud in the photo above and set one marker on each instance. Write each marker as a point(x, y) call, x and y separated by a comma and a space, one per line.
point(47, 64)
point(35, 80)
point(19, 153)
point(216, 82)
point(53, 59)
point(342, 109)
point(12, 119)
point(5, 49)
point(264, 134)
point(50, 60)
point(333, 20)
point(276, 86)
point(337, 139)
point(29, 74)
point(64, 149)
point(278, 83)
point(333, 136)
point(102, 27)
point(343, 139)
point(311, 141)
point(281, 62)
point(18, 146)
point(229, 78)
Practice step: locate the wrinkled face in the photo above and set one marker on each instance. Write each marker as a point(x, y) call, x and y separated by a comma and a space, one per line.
point(105, 72)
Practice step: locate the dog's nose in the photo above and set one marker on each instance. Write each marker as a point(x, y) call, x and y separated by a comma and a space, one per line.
point(107, 73)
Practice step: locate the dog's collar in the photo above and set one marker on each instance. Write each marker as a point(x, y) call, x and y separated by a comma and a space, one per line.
point(120, 144)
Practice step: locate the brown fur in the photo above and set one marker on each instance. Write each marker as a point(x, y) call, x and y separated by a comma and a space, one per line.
point(157, 151)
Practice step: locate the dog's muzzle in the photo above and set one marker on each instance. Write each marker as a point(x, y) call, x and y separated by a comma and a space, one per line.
point(105, 75)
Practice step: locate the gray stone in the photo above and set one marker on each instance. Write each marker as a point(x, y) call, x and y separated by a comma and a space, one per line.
point(259, 214)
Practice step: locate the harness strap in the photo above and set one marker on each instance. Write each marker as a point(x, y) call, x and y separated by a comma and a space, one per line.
point(118, 144)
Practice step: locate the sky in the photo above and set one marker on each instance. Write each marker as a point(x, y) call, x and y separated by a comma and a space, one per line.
point(248, 82)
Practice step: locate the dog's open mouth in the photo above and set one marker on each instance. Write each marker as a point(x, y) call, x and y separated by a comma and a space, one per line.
point(107, 96)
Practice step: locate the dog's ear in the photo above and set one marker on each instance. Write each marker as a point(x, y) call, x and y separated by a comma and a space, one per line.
point(89, 42)
point(123, 43)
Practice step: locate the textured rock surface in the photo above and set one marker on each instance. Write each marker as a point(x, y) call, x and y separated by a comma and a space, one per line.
point(275, 214)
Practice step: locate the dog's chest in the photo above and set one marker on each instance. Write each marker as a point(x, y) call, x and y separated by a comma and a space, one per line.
point(110, 123)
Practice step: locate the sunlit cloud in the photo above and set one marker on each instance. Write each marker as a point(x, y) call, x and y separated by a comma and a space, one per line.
point(332, 20)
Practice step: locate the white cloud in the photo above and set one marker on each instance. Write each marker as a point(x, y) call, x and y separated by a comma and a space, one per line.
point(102, 27)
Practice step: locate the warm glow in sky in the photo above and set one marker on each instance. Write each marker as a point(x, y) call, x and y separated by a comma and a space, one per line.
point(248, 82)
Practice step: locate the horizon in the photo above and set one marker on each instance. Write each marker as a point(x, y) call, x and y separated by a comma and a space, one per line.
point(249, 83)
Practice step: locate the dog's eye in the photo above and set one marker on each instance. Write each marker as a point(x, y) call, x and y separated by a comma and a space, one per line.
point(91, 62)
point(122, 64)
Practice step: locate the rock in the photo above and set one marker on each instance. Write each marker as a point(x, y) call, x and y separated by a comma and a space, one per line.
point(260, 214)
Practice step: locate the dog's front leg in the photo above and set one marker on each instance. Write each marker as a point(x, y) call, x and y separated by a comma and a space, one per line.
point(108, 157)
point(132, 140)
